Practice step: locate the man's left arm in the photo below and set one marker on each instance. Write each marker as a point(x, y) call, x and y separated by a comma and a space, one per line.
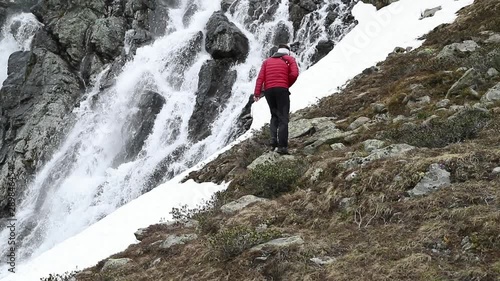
point(294, 71)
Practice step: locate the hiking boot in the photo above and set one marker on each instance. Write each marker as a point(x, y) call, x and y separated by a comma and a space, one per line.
point(273, 145)
point(282, 150)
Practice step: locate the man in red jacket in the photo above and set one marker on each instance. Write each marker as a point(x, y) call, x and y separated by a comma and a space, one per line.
point(277, 74)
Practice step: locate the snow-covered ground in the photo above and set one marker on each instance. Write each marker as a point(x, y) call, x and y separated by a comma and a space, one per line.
point(376, 35)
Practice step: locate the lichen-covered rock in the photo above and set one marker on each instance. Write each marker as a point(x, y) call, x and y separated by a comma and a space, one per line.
point(394, 150)
point(452, 49)
point(269, 158)
point(112, 264)
point(173, 240)
point(360, 121)
point(434, 179)
point(302, 127)
point(492, 94)
point(235, 206)
point(470, 78)
point(279, 243)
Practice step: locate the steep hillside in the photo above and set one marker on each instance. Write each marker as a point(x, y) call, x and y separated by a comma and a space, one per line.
point(394, 178)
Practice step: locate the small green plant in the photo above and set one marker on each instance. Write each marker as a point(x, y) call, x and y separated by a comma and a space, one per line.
point(270, 180)
point(67, 276)
point(439, 133)
point(231, 242)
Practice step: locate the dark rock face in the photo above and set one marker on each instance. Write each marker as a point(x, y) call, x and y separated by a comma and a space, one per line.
point(224, 39)
point(107, 36)
point(214, 88)
point(298, 9)
point(322, 49)
point(140, 125)
point(39, 93)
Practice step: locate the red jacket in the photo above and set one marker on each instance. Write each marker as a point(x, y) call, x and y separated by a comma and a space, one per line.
point(276, 72)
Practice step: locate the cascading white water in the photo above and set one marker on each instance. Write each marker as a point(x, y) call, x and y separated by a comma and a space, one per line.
point(16, 35)
point(82, 183)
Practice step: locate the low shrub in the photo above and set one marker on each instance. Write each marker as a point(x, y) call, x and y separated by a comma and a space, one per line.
point(438, 133)
point(270, 180)
point(67, 276)
point(231, 242)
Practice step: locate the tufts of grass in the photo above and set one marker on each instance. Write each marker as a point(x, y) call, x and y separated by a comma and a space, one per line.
point(271, 180)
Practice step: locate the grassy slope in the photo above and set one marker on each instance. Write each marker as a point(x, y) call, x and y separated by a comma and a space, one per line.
point(452, 234)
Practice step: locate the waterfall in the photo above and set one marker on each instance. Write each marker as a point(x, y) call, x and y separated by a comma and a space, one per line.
point(89, 177)
point(16, 35)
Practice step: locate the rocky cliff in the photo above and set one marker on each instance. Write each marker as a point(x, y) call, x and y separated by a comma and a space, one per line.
point(394, 178)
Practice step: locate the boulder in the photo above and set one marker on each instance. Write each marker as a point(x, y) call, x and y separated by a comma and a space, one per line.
point(243, 202)
point(173, 240)
point(451, 50)
point(224, 39)
point(321, 50)
point(279, 243)
point(214, 89)
point(112, 264)
point(360, 121)
point(394, 150)
point(269, 158)
point(302, 127)
point(492, 72)
point(371, 145)
point(492, 94)
point(470, 78)
point(434, 179)
point(323, 260)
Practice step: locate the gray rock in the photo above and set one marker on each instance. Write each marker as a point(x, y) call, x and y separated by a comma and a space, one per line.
point(224, 39)
point(115, 264)
point(316, 174)
point(434, 179)
point(394, 150)
point(302, 127)
point(140, 234)
point(496, 171)
point(492, 94)
point(326, 137)
point(494, 39)
point(345, 203)
point(173, 240)
point(39, 92)
point(470, 78)
point(360, 121)
point(269, 158)
point(492, 72)
point(351, 176)
point(107, 36)
point(378, 107)
point(214, 88)
point(371, 145)
point(443, 103)
point(418, 102)
point(337, 146)
point(279, 243)
point(464, 47)
point(323, 260)
point(235, 206)
point(430, 12)
point(155, 262)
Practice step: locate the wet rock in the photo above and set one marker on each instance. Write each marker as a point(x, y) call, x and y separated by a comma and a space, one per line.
point(492, 94)
point(112, 264)
point(173, 240)
point(135, 39)
point(214, 88)
point(243, 202)
point(224, 39)
point(39, 92)
point(470, 78)
point(434, 179)
point(107, 36)
point(321, 50)
point(430, 12)
point(281, 34)
point(279, 243)
point(140, 125)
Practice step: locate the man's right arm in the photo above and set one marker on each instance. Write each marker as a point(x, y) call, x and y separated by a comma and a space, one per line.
point(294, 72)
point(260, 81)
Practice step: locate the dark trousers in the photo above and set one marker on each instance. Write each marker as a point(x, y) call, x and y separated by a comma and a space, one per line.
point(278, 100)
